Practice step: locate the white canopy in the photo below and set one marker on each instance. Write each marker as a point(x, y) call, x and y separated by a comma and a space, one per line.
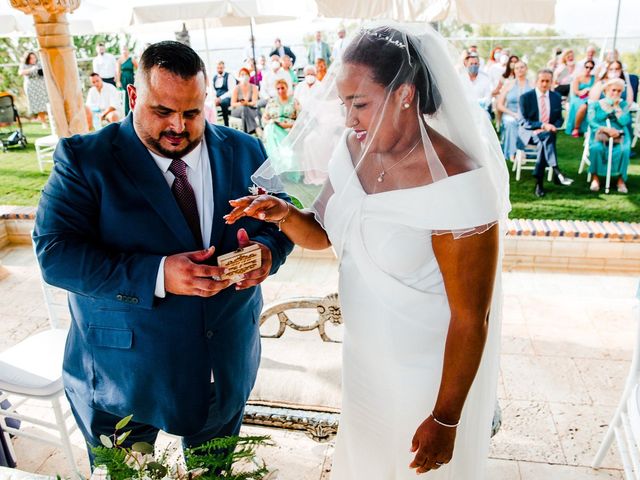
point(467, 11)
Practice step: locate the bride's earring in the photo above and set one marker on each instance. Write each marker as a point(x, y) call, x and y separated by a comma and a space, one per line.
point(405, 105)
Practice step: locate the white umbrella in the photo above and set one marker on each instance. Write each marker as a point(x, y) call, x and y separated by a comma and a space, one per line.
point(218, 13)
point(467, 11)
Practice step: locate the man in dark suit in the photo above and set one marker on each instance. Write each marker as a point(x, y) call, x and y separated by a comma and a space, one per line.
point(282, 50)
point(223, 83)
point(541, 111)
point(130, 223)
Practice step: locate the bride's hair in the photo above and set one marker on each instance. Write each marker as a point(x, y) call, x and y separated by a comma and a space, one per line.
point(393, 59)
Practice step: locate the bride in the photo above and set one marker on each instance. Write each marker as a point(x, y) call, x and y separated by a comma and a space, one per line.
point(414, 195)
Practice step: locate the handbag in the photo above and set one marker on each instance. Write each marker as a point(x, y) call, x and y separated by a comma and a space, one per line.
point(603, 136)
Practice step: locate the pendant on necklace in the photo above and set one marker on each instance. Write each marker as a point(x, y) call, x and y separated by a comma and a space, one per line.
point(381, 176)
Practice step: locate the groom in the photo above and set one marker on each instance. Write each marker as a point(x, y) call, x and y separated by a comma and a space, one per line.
point(130, 223)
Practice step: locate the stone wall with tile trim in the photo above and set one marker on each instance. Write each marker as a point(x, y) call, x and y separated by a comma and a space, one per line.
point(546, 245)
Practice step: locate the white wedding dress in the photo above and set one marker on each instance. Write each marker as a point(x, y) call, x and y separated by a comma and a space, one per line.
point(396, 317)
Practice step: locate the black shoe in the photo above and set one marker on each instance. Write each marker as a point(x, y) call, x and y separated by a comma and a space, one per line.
point(560, 179)
point(539, 191)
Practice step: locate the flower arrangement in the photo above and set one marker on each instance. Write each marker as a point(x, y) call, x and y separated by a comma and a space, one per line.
point(231, 458)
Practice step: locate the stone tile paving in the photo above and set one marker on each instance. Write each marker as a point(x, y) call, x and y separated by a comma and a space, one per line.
point(567, 341)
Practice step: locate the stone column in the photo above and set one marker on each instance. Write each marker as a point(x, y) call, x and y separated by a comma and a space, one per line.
point(58, 61)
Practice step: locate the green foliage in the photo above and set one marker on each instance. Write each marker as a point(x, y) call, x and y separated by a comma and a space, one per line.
point(221, 458)
point(631, 61)
point(222, 454)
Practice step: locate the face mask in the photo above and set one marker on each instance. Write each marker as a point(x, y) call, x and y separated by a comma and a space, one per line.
point(609, 101)
point(473, 69)
point(496, 56)
point(504, 59)
point(613, 74)
point(275, 65)
point(244, 79)
point(310, 79)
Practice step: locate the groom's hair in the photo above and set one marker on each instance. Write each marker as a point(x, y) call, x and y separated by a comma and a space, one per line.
point(174, 57)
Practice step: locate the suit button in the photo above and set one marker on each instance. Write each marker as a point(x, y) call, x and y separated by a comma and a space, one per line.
point(119, 297)
point(135, 300)
point(209, 334)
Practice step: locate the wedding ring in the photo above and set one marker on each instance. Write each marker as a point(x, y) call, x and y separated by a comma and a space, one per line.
point(438, 464)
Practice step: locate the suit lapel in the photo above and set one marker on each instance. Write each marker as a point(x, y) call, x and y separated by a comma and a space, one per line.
point(139, 166)
point(221, 158)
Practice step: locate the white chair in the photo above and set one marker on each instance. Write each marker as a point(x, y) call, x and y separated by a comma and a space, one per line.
point(45, 146)
point(236, 123)
point(32, 371)
point(525, 160)
point(635, 110)
point(624, 427)
point(584, 161)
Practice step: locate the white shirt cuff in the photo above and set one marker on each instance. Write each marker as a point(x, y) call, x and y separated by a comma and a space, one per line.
point(160, 291)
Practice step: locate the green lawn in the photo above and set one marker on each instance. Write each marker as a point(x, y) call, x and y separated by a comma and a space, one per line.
point(21, 181)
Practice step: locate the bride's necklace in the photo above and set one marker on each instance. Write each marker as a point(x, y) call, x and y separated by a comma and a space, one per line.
point(384, 171)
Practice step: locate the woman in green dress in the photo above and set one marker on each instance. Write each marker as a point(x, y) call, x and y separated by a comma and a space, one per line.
point(579, 95)
point(125, 67)
point(278, 119)
point(609, 117)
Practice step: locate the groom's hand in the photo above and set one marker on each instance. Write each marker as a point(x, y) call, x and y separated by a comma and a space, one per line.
point(185, 274)
point(259, 275)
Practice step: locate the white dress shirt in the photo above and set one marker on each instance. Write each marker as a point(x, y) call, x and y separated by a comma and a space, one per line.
point(105, 65)
point(199, 176)
point(338, 48)
point(543, 97)
point(218, 82)
point(481, 88)
point(302, 93)
point(108, 96)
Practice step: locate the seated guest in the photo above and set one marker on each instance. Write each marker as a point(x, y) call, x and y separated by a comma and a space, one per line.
point(578, 97)
point(612, 70)
point(321, 68)
point(590, 56)
point(104, 101)
point(304, 88)
point(223, 84)
point(278, 118)
point(244, 102)
point(541, 111)
point(509, 104)
point(507, 75)
point(494, 57)
point(480, 83)
point(256, 75)
point(616, 110)
point(269, 78)
point(287, 67)
point(282, 50)
point(563, 74)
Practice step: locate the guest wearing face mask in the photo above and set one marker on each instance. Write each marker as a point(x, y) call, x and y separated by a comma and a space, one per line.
point(304, 88)
point(244, 102)
point(480, 83)
point(609, 117)
point(613, 70)
point(270, 76)
point(494, 57)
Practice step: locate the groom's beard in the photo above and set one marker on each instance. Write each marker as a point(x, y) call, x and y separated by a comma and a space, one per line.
point(156, 144)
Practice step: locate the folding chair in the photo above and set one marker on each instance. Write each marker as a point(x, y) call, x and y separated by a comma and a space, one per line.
point(624, 427)
point(45, 146)
point(32, 370)
point(584, 161)
point(527, 156)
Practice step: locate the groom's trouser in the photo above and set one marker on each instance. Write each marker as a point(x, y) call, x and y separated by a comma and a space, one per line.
point(93, 423)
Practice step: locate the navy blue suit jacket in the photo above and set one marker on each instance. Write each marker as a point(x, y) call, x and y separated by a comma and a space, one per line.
point(105, 220)
point(531, 115)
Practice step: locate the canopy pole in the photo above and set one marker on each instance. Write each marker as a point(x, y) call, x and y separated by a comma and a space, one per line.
point(206, 46)
point(253, 52)
point(615, 32)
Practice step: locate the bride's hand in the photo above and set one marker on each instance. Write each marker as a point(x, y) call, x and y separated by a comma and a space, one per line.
point(433, 445)
point(262, 207)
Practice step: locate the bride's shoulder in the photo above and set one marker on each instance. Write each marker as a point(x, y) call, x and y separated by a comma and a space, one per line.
point(454, 160)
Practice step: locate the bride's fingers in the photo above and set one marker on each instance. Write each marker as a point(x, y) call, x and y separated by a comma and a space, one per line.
point(262, 208)
point(234, 215)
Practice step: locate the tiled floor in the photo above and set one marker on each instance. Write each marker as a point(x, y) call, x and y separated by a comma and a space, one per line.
point(567, 341)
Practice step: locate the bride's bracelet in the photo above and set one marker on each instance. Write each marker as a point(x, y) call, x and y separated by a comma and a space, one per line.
point(286, 215)
point(447, 425)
